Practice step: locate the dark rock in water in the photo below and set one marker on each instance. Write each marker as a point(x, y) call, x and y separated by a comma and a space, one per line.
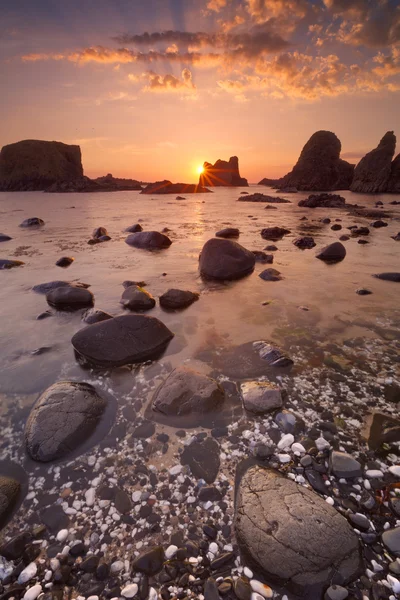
point(110, 183)
point(269, 182)
point(260, 397)
point(134, 228)
point(357, 231)
point(149, 562)
point(148, 240)
point(129, 283)
point(269, 207)
point(45, 288)
point(70, 298)
point(378, 224)
point(363, 292)
point(344, 465)
point(222, 173)
point(4, 237)
point(263, 258)
point(270, 275)
point(167, 187)
point(250, 360)
point(65, 261)
point(44, 315)
point(388, 276)
point(104, 238)
point(211, 590)
point(373, 172)
point(94, 241)
point(144, 430)
point(95, 315)
point(336, 227)
point(363, 242)
point(209, 493)
point(203, 459)
point(396, 237)
point(180, 198)
point(271, 248)
point(32, 222)
point(323, 201)
point(9, 492)
point(175, 299)
point(186, 391)
point(99, 232)
point(332, 253)
point(10, 264)
point(135, 298)
point(257, 197)
point(326, 221)
point(122, 341)
point(344, 238)
point(225, 260)
point(394, 179)
point(64, 415)
point(391, 539)
point(319, 166)
point(228, 232)
point(305, 242)
point(274, 233)
point(36, 164)
point(272, 355)
point(281, 529)
point(54, 518)
point(381, 429)
point(14, 548)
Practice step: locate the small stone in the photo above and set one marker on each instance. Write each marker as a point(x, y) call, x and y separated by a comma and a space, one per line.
point(28, 573)
point(344, 466)
point(336, 592)
point(286, 441)
point(33, 592)
point(261, 588)
point(171, 551)
point(322, 444)
point(62, 535)
point(391, 539)
point(130, 590)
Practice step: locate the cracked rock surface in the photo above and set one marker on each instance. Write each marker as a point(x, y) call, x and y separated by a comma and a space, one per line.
point(64, 415)
point(292, 536)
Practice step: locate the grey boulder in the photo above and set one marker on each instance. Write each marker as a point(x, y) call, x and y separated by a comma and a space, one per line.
point(64, 415)
point(148, 240)
point(225, 260)
point(391, 539)
point(344, 466)
point(137, 298)
point(260, 397)
point(70, 298)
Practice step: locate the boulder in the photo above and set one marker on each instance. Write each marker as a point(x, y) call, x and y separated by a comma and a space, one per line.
point(344, 465)
point(64, 415)
point(332, 253)
point(70, 298)
point(225, 260)
point(270, 275)
point(123, 340)
point(36, 164)
point(4, 237)
point(323, 201)
point(319, 167)
point(389, 277)
point(203, 458)
point(260, 397)
point(95, 315)
point(269, 182)
point(175, 299)
point(65, 261)
point(186, 391)
point(396, 237)
point(9, 492)
point(99, 232)
point(228, 232)
point(373, 172)
point(148, 240)
point(274, 233)
point(136, 298)
point(222, 173)
point(258, 197)
point(167, 187)
point(45, 288)
point(391, 539)
point(306, 242)
point(32, 222)
point(5, 263)
point(394, 179)
point(134, 228)
point(262, 257)
point(292, 536)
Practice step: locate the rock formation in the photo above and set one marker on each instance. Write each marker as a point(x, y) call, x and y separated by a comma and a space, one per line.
point(222, 173)
point(394, 179)
point(373, 172)
point(320, 167)
point(269, 182)
point(225, 260)
point(36, 165)
point(167, 187)
point(117, 183)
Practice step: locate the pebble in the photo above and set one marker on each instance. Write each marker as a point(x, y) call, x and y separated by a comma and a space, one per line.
point(322, 444)
point(62, 535)
point(130, 590)
point(286, 441)
point(395, 470)
point(90, 496)
point(336, 592)
point(296, 447)
point(33, 592)
point(117, 566)
point(171, 551)
point(261, 588)
point(374, 473)
point(28, 573)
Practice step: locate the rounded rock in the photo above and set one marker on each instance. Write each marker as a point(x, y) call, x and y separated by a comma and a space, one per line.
point(225, 260)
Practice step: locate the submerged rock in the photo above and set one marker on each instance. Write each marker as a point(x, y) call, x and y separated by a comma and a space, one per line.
point(99, 232)
point(136, 298)
point(388, 276)
point(270, 275)
point(305, 242)
point(250, 360)
point(64, 415)
point(95, 315)
point(150, 561)
point(260, 397)
point(134, 228)
point(292, 535)
point(225, 260)
point(32, 222)
point(175, 299)
point(4, 237)
point(122, 340)
point(222, 173)
point(148, 240)
point(45, 288)
point(70, 298)
point(272, 355)
point(186, 391)
point(372, 174)
point(274, 233)
point(9, 492)
point(65, 261)
point(262, 257)
point(203, 459)
point(258, 197)
point(10, 264)
point(396, 237)
point(363, 292)
point(332, 253)
point(228, 232)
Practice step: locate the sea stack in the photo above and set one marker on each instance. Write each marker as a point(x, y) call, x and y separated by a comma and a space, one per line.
point(320, 167)
point(32, 165)
point(222, 173)
point(373, 173)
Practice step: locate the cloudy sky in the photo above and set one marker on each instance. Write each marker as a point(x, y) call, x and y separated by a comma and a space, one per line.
point(151, 89)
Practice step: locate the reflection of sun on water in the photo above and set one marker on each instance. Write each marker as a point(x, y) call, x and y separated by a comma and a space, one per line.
point(200, 169)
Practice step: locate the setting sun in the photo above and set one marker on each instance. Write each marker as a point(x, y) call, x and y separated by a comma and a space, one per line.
point(200, 169)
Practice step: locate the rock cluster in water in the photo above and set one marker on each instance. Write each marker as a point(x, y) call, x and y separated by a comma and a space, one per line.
point(167, 187)
point(222, 173)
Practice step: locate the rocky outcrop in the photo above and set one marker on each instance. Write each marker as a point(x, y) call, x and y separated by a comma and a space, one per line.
point(167, 187)
point(225, 260)
point(394, 179)
point(319, 167)
point(37, 164)
point(373, 172)
point(323, 201)
point(118, 183)
point(222, 173)
point(64, 415)
point(257, 197)
point(269, 182)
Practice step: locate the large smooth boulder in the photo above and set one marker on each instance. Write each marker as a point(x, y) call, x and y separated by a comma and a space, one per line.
point(292, 536)
point(65, 415)
point(225, 260)
point(9, 491)
point(175, 299)
point(122, 341)
point(186, 391)
point(137, 298)
point(320, 167)
point(37, 164)
point(332, 253)
point(222, 173)
point(148, 240)
point(373, 172)
point(70, 298)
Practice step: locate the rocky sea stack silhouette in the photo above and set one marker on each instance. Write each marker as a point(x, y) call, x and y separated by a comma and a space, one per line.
point(222, 173)
point(375, 173)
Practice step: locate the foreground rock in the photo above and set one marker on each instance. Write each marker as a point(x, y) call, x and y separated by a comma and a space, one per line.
point(45, 288)
point(332, 253)
point(136, 298)
point(186, 391)
point(203, 459)
point(372, 174)
point(4, 237)
point(36, 164)
point(95, 315)
point(122, 341)
point(271, 275)
point(70, 298)
point(5, 263)
point(148, 240)
point(225, 260)
point(258, 197)
point(9, 492)
point(320, 167)
point(388, 276)
point(274, 233)
point(32, 222)
point(222, 173)
point(65, 261)
point(304, 243)
point(167, 187)
point(292, 536)
point(175, 299)
point(65, 414)
point(260, 397)
point(323, 201)
point(228, 232)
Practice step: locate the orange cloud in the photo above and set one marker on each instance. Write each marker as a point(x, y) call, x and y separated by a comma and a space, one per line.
point(169, 83)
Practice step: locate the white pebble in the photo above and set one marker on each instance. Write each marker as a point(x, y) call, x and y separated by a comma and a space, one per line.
point(213, 547)
point(394, 584)
point(330, 500)
point(286, 441)
point(93, 598)
point(296, 447)
point(374, 473)
point(171, 551)
point(248, 573)
point(117, 566)
point(284, 458)
point(255, 596)
point(395, 470)
point(322, 444)
point(130, 590)
point(175, 470)
point(90, 496)
point(33, 592)
point(62, 535)
point(153, 594)
point(261, 588)
point(136, 496)
point(28, 573)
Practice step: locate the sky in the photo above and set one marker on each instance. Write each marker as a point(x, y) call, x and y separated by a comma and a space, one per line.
point(150, 89)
